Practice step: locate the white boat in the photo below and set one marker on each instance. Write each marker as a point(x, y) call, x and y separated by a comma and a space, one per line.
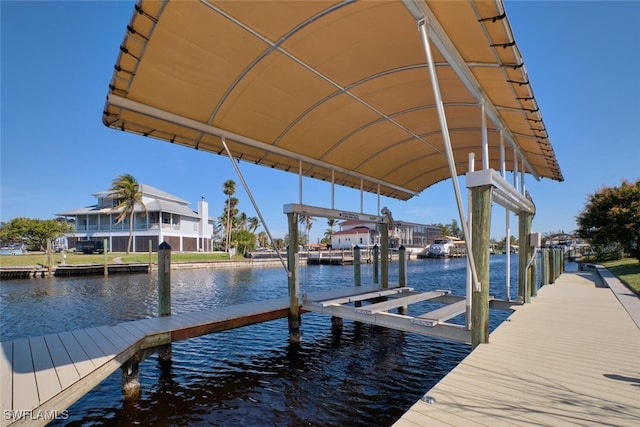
point(441, 248)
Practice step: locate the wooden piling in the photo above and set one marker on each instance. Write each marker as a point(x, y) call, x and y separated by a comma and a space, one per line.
point(402, 273)
point(164, 355)
point(295, 321)
point(402, 266)
point(131, 380)
point(480, 232)
point(376, 262)
point(357, 267)
point(104, 252)
point(524, 277)
point(534, 277)
point(49, 257)
point(164, 279)
point(384, 254)
point(543, 266)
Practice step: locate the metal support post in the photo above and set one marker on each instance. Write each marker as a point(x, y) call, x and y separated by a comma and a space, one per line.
point(448, 150)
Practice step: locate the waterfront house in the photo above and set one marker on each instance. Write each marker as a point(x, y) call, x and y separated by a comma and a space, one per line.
point(410, 235)
point(164, 217)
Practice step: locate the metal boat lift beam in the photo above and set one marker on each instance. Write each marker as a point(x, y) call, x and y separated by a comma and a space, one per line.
point(330, 213)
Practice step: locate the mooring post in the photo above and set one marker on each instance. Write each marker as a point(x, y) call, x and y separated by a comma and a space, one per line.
point(402, 266)
point(164, 279)
point(553, 265)
point(524, 249)
point(164, 356)
point(550, 266)
point(543, 267)
point(384, 254)
point(105, 251)
point(480, 231)
point(376, 256)
point(131, 379)
point(150, 253)
point(357, 273)
point(295, 321)
point(402, 273)
point(534, 276)
point(357, 266)
point(49, 257)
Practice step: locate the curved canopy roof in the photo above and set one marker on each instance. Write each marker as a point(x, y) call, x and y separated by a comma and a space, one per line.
point(338, 90)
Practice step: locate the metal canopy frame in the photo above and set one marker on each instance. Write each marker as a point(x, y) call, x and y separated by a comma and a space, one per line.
point(167, 116)
point(441, 41)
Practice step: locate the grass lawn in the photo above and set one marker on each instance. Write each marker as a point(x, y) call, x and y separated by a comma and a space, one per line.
point(627, 270)
point(36, 258)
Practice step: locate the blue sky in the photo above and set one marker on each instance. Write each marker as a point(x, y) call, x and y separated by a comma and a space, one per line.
point(57, 61)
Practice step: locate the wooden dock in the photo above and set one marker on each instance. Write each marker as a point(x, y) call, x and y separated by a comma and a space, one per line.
point(571, 357)
point(42, 376)
point(30, 271)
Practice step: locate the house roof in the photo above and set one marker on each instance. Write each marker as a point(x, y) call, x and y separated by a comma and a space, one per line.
point(152, 206)
point(148, 191)
point(338, 90)
point(160, 202)
point(359, 230)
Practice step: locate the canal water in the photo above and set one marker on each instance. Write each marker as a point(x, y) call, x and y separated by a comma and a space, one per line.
point(361, 376)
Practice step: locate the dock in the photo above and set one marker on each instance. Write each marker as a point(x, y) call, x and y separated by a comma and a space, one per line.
point(570, 357)
point(42, 376)
point(31, 271)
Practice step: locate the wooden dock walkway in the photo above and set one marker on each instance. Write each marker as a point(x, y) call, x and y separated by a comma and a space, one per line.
point(571, 357)
point(42, 376)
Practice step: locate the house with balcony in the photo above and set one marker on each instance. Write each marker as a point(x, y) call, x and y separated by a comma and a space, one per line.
point(160, 217)
point(412, 236)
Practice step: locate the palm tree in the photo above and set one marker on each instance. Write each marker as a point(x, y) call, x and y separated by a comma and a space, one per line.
point(242, 220)
point(263, 239)
point(229, 188)
point(307, 221)
point(254, 223)
point(126, 190)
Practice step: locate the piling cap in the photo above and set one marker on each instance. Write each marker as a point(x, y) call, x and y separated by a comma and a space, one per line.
point(164, 246)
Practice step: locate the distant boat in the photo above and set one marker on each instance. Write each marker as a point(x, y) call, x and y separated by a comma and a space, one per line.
point(441, 248)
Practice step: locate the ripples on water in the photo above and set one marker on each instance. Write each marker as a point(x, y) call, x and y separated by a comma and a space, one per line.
point(361, 376)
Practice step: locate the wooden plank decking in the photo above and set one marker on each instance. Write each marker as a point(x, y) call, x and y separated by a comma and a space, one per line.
point(571, 357)
point(42, 376)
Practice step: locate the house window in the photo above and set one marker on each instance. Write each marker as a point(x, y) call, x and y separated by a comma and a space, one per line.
point(154, 218)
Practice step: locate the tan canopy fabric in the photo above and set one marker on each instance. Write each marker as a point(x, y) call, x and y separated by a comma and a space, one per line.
point(340, 90)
